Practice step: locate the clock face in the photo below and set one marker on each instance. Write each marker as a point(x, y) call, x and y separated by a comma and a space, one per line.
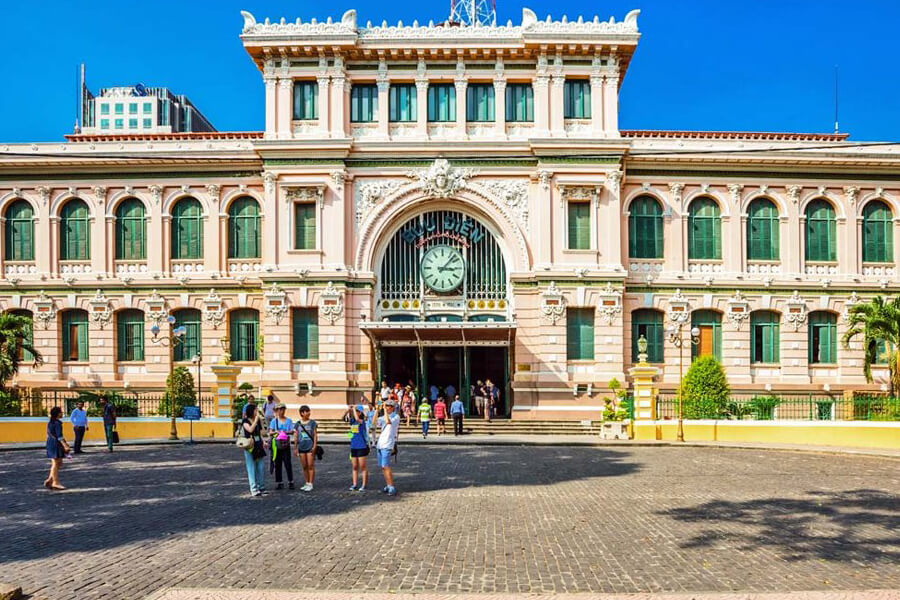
point(443, 268)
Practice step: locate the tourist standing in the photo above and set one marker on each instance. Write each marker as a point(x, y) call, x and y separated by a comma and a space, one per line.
point(57, 448)
point(359, 448)
point(407, 403)
point(79, 421)
point(109, 421)
point(440, 413)
point(269, 408)
point(385, 391)
point(282, 428)
point(478, 392)
point(387, 444)
point(255, 458)
point(307, 444)
point(450, 391)
point(424, 416)
point(492, 398)
point(456, 411)
point(433, 393)
point(371, 415)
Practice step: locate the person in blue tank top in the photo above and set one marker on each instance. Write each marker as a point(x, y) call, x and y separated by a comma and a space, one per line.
point(359, 447)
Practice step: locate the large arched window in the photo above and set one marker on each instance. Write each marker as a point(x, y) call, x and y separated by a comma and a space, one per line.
point(28, 338)
point(821, 232)
point(74, 335)
point(704, 230)
point(19, 231)
point(648, 323)
point(709, 322)
point(762, 230)
point(822, 342)
point(877, 233)
point(645, 228)
point(190, 344)
point(130, 335)
point(187, 229)
point(131, 230)
point(243, 229)
point(74, 231)
point(764, 336)
point(243, 334)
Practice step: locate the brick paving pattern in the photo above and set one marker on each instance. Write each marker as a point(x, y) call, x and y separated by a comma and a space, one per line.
point(468, 519)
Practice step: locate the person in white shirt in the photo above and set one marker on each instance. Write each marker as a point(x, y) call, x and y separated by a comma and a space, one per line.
point(387, 444)
point(79, 421)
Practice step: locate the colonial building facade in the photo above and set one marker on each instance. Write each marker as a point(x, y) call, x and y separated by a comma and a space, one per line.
point(446, 204)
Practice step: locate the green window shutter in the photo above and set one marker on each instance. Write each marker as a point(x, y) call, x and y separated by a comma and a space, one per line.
point(645, 229)
point(580, 334)
point(704, 230)
point(480, 102)
point(519, 103)
point(306, 97)
point(648, 323)
point(190, 345)
point(402, 105)
point(762, 230)
point(764, 337)
point(363, 103)
point(822, 343)
point(130, 335)
point(306, 333)
point(577, 99)
point(244, 332)
point(878, 236)
point(74, 336)
point(305, 226)
point(243, 229)
point(130, 230)
point(441, 103)
point(74, 231)
point(19, 233)
point(579, 225)
point(821, 232)
point(187, 230)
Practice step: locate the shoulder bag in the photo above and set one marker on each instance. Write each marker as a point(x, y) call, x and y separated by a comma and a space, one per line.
point(244, 442)
point(320, 451)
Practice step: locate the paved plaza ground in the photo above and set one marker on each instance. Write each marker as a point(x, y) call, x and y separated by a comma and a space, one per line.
point(496, 519)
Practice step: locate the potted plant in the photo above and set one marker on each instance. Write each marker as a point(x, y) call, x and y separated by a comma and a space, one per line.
point(614, 413)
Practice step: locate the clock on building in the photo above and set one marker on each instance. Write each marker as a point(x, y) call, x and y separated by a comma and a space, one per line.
point(443, 268)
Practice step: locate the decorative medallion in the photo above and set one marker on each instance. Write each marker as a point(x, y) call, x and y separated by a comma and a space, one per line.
point(679, 311)
point(609, 303)
point(370, 194)
point(796, 311)
point(213, 309)
point(101, 312)
point(553, 303)
point(441, 180)
point(276, 303)
point(738, 309)
point(44, 311)
point(331, 303)
point(851, 301)
point(156, 307)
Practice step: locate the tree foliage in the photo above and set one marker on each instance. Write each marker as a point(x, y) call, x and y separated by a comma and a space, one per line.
point(877, 321)
point(15, 343)
point(705, 390)
point(180, 392)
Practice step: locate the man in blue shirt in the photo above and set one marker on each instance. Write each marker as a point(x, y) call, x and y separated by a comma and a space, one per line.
point(80, 423)
point(456, 411)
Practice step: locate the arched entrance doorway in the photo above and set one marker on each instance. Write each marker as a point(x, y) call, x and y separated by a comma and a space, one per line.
point(442, 314)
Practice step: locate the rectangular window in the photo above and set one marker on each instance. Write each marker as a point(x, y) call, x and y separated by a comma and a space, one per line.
point(306, 333)
point(480, 102)
point(306, 100)
point(441, 103)
point(580, 334)
point(132, 108)
point(120, 108)
point(132, 123)
point(104, 109)
point(650, 326)
point(364, 103)
point(104, 123)
point(402, 103)
point(305, 226)
point(519, 103)
point(822, 339)
point(120, 123)
point(577, 99)
point(764, 341)
point(244, 336)
point(148, 108)
point(579, 225)
point(130, 339)
point(148, 123)
point(74, 336)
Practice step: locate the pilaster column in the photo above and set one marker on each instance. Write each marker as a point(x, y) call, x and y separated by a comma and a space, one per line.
point(270, 220)
point(675, 242)
point(597, 121)
point(43, 230)
point(462, 85)
point(271, 82)
point(851, 262)
point(557, 95)
point(610, 105)
point(500, 106)
point(102, 242)
point(284, 129)
point(158, 252)
point(422, 108)
point(613, 235)
point(895, 223)
point(541, 86)
point(211, 255)
point(384, 86)
point(732, 252)
point(340, 94)
point(324, 82)
point(108, 256)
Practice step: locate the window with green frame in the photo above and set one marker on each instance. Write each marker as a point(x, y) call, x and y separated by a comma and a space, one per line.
point(579, 334)
point(704, 230)
point(243, 332)
point(762, 230)
point(645, 228)
point(187, 229)
point(648, 323)
point(878, 233)
point(821, 232)
point(305, 226)
point(402, 103)
point(24, 355)
point(882, 352)
point(305, 323)
point(707, 320)
point(190, 345)
point(74, 335)
point(131, 230)
point(363, 103)
point(764, 336)
point(19, 231)
point(441, 103)
point(577, 99)
point(306, 100)
point(130, 335)
point(519, 103)
point(243, 228)
point(579, 225)
point(822, 337)
point(480, 102)
point(74, 231)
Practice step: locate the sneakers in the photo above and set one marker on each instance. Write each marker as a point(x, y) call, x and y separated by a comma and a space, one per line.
point(307, 487)
point(392, 491)
point(361, 488)
point(353, 488)
point(280, 486)
point(290, 485)
point(384, 490)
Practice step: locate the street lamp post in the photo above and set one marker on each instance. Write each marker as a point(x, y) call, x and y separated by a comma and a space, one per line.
point(674, 335)
point(175, 337)
point(197, 359)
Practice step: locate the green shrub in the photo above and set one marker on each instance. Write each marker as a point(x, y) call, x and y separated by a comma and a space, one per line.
point(763, 407)
point(10, 406)
point(705, 391)
point(243, 396)
point(124, 406)
point(614, 408)
point(737, 410)
point(180, 389)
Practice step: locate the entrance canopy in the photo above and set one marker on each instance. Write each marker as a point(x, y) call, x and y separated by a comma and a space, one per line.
point(440, 333)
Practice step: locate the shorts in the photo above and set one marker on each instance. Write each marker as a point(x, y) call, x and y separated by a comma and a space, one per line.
point(441, 421)
point(384, 457)
point(305, 449)
point(359, 452)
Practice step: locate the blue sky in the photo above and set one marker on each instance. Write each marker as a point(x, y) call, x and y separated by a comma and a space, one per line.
point(714, 65)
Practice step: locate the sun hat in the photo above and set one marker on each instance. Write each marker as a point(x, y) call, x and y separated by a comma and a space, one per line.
point(390, 403)
point(280, 405)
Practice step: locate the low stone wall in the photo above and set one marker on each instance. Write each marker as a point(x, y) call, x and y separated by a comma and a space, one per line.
point(34, 429)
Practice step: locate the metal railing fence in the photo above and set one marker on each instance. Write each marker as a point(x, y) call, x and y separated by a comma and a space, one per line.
point(785, 407)
point(37, 403)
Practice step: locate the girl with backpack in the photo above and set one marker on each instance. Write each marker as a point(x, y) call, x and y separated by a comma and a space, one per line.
point(359, 447)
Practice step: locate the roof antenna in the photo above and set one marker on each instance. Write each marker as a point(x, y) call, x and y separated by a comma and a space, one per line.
point(836, 128)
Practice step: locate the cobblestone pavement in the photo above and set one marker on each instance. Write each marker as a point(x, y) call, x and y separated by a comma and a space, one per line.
point(468, 519)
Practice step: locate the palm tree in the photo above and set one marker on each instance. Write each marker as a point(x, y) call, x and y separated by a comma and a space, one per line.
point(15, 337)
point(878, 321)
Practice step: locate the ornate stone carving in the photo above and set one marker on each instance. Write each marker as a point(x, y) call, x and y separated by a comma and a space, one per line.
point(609, 303)
point(676, 189)
point(514, 194)
point(544, 177)
point(796, 311)
point(679, 311)
point(99, 193)
point(213, 190)
point(738, 309)
point(100, 310)
point(213, 309)
point(851, 301)
point(553, 303)
point(852, 193)
point(155, 193)
point(44, 310)
point(305, 193)
point(156, 308)
point(269, 179)
point(734, 190)
point(276, 303)
point(339, 177)
point(614, 179)
point(331, 303)
point(44, 192)
point(441, 180)
point(370, 194)
point(793, 192)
